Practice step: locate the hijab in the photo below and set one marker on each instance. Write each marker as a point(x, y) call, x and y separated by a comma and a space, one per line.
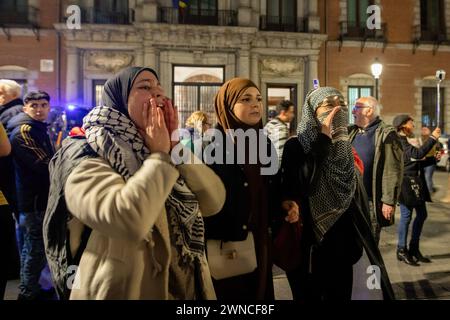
point(225, 100)
point(336, 183)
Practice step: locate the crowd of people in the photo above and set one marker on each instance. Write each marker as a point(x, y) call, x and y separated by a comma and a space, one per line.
point(115, 217)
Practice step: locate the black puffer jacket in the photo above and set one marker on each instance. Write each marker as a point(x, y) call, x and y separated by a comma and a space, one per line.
point(7, 185)
point(414, 167)
point(31, 152)
point(10, 110)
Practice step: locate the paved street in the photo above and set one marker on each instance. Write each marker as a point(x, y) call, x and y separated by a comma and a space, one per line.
point(428, 281)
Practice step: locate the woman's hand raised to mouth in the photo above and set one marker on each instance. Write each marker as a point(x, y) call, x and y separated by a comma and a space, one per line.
point(171, 119)
point(156, 135)
point(328, 122)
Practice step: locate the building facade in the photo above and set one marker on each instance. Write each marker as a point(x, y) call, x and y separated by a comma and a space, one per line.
point(282, 45)
point(412, 44)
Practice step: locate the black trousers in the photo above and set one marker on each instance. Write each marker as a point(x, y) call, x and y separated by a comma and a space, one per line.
point(332, 282)
point(326, 271)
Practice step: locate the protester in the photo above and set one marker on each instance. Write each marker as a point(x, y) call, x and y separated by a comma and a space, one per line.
point(31, 152)
point(10, 102)
point(197, 124)
point(414, 192)
point(278, 128)
point(430, 160)
point(318, 173)
point(147, 239)
point(9, 269)
point(380, 150)
point(244, 220)
point(10, 106)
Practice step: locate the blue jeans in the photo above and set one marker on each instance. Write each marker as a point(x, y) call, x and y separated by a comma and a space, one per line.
point(32, 257)
point(405, 219)
point(20, 230)
point(429, 171)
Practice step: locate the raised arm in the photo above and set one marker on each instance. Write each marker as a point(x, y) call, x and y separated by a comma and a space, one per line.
point(100, 198)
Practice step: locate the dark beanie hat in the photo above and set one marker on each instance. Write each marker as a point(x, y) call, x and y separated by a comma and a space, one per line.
point(400, 120)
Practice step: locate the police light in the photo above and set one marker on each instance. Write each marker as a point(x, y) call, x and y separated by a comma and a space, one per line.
point(71, 107)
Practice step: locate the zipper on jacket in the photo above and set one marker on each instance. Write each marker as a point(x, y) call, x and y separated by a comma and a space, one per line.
point(311, 255)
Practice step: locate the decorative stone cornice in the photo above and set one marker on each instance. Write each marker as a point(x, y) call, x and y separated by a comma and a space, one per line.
point(100, 33)
point(282, 66)
point(109, 61)
point(193, 36)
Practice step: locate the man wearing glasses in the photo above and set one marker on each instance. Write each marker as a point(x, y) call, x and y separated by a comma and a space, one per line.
point(380, 149)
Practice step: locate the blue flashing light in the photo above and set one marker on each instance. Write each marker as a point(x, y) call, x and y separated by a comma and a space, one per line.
point(71, 107)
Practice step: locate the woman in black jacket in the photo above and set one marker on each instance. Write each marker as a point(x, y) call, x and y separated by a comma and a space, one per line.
point(414, 191)
point(318, 172)
point(245, 213)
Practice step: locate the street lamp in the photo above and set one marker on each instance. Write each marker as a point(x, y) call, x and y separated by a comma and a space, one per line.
point(376, 68)
point(440, 76)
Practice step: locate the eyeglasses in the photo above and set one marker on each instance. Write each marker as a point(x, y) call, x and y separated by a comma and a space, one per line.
point(356, 107)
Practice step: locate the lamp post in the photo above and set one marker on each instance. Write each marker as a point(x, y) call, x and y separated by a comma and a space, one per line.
point(440, 76)
point(376, 68)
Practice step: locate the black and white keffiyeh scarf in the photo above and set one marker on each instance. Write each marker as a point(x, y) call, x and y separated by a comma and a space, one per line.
point(337, 181)
point(115, 138)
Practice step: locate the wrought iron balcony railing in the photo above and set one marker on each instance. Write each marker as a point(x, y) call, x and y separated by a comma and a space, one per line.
point(360, 31)
point(286, 24)
point(434, 35)
point(93, 15)
point(19, 16)
point(201, 17)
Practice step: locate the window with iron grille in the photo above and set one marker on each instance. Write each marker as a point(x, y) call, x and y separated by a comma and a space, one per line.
point(97, 89)
point(194, 89)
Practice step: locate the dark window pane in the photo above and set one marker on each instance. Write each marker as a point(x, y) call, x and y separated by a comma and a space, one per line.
point(13, 5)
point(351, 12)
point(288, 12)
point(363, 4)
point(273, 7)
point(432, 20)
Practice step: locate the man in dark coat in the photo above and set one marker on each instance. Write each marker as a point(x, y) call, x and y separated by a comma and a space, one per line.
point(31, 151)
point(10, 106)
